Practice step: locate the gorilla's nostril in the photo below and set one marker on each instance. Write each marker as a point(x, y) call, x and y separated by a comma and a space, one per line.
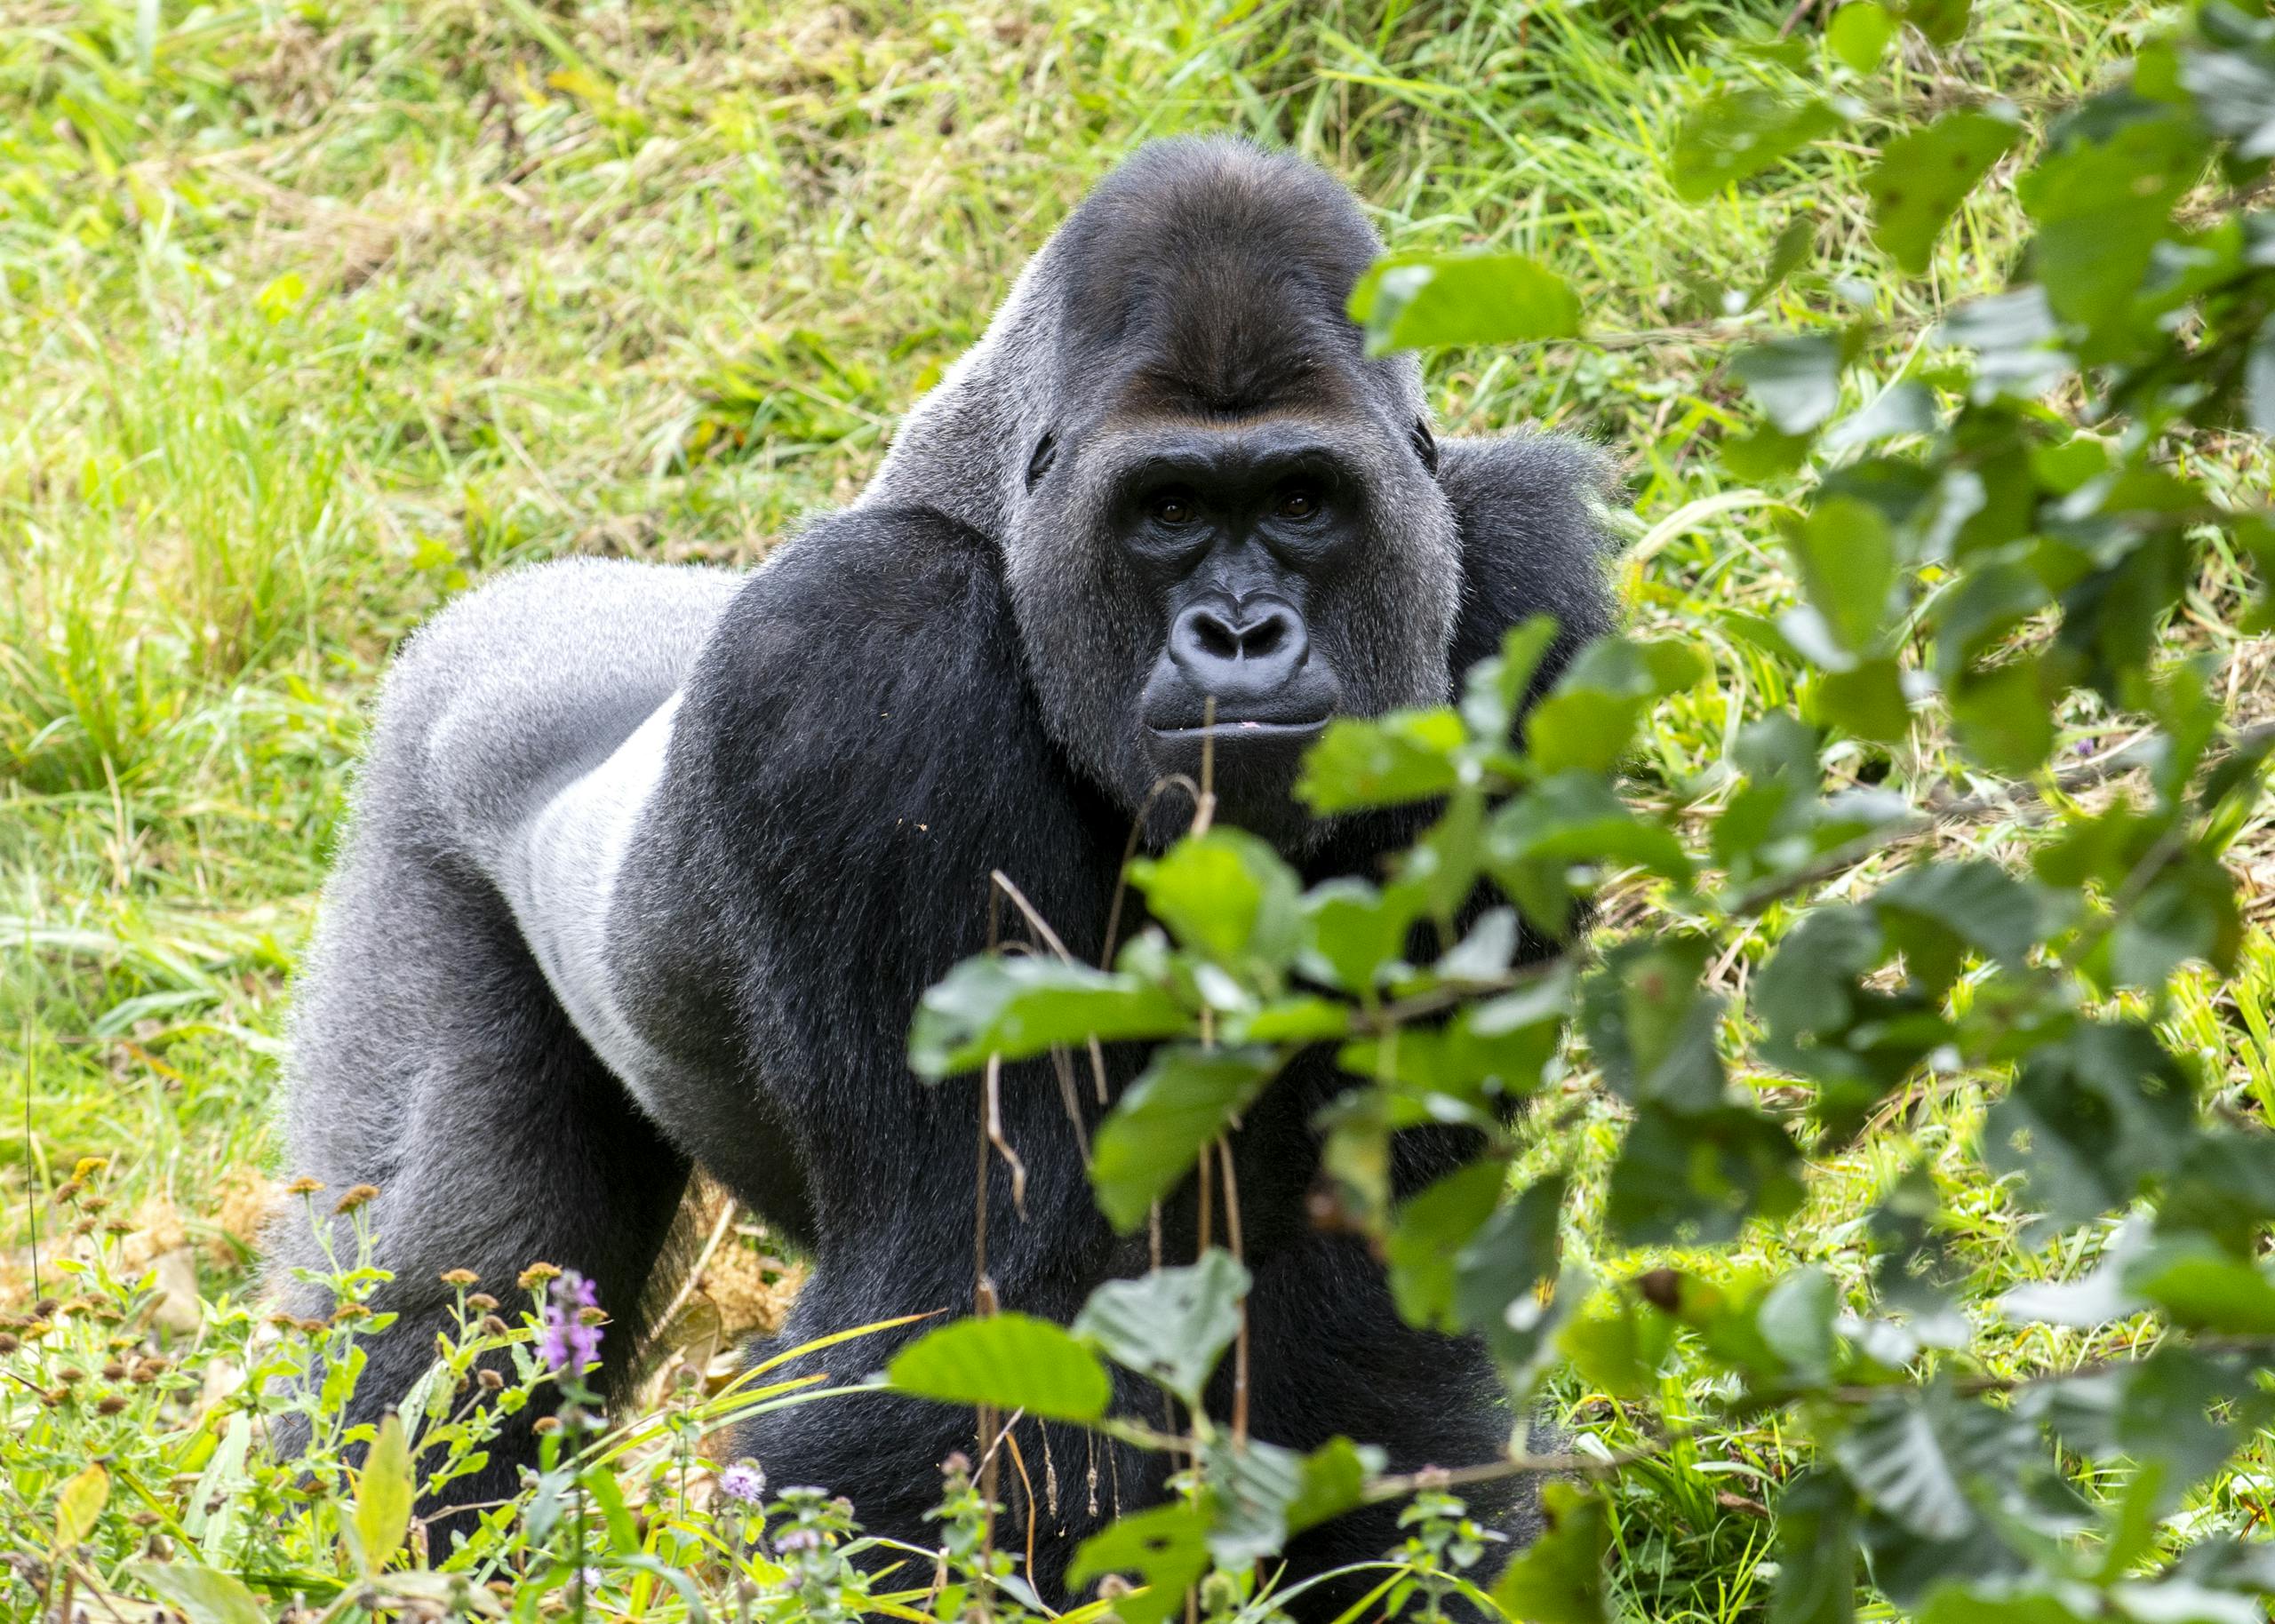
point(1263, 637)
point(1217, 638)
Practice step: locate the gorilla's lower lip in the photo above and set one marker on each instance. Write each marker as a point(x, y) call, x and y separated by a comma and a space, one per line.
point(1259, 730)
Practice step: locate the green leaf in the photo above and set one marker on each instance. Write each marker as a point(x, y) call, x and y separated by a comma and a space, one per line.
point(2204, 1288)
point(1923, 177)
point(1693, 1177)
point(1355, 933)
point(1416, 301)
point(1574, 817)
point(1559, 1577)
point(1620, 1351)
point(1650, 1025)
point(1166, 1549)
point(2235, 94)
point(2177, 1410)
point(2089, 1123)
point(1186, 1097)
point(1171, 1325)
point(1795, 381)
point(1496, 688)
point(1846, 556)
point(1012, 1361)
point(1795, 1319)
point(1943, 21)
point(2259, 379)
point(1018, 1006)
point(1912, 1460)
point(1859, 34)
point(1978, 902)
point(1498, 1274)
point(78, 1503)
point(1405, 756)
point(1588, 720)
point(384, 1492)
point(2102, 207)
point(1251, 1487)
point(1334, 1480)
point(1816, 1550)
point(2013, 335)
point(205, 1596)
point(1740, 133)
point(1865, 701)
point(1226, 894)
point(1429, 1230)
point(2004, 717)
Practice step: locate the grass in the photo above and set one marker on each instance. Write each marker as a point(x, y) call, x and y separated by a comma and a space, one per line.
point(310, 315)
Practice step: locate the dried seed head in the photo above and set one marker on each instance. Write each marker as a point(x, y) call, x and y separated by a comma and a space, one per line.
point(110, 1404)
point(492, 1326)
point(458, 1280)
point(482, 1303)
point(8, 1343)
point(346, 1311)
point(304, 1186)
point(69, 1190)
point(490, 1379)
point(358, 1195)
point(537, 1275)
point(70, 1373)
point(547, 1423)
point(114, 1372)
point(45, 1308)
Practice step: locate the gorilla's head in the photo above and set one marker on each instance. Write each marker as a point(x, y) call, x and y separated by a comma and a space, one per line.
point(1220, 522)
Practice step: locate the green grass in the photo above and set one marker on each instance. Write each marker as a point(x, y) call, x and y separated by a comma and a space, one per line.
point(309, 316)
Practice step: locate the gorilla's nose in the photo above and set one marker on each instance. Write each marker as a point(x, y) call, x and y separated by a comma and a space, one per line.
point(1240, 651)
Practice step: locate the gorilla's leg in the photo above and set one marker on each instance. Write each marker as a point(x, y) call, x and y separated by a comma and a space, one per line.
point(433, 1061)
point(1331, 1355)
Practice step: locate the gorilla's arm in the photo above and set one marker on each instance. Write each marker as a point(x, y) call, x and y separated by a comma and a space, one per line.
point(855, 749)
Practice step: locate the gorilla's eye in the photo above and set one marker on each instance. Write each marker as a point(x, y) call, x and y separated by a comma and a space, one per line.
point(1173, 507)
point(1301, 503)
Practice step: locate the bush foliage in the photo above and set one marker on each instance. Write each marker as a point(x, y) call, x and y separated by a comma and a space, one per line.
point(1785, 975)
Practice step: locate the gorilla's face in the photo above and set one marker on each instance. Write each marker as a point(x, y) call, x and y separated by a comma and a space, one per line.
point(1220, 519)
point(1201, 596)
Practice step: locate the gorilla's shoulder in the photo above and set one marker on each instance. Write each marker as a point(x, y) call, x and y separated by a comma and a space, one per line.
point(1531, 510)
point(887, 570)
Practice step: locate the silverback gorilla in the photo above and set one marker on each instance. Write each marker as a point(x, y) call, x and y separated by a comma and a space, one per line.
point(650, 865)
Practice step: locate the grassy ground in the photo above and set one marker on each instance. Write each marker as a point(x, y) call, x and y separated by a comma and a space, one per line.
point(310, 315)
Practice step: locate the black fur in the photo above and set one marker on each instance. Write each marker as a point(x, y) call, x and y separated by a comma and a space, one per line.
point(941, 682)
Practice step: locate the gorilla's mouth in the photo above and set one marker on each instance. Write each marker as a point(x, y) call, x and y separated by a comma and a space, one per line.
point(1251, 730)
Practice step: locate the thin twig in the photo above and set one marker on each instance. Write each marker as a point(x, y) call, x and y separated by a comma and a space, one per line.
point(1240, 1337)
point(993, 1094)
point(702, 1262)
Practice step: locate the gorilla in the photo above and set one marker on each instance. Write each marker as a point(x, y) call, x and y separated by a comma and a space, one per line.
point(650, 865)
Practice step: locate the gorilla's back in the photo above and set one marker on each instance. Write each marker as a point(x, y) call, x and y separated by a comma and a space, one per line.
point(510, 696)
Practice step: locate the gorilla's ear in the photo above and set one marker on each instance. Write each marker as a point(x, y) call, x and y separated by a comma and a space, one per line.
point(1426, 444)
point(1046, 452)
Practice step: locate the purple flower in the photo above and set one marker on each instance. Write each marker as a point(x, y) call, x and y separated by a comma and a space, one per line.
point(743, 1481)
point(565, 1339)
